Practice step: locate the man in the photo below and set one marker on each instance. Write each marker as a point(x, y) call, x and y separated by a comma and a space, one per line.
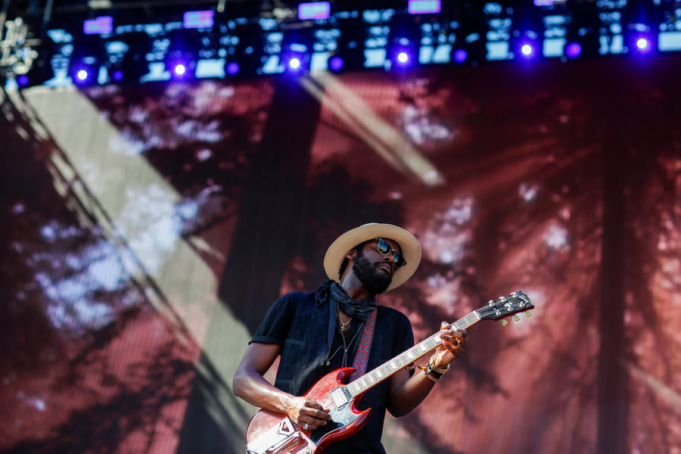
point(316, 333)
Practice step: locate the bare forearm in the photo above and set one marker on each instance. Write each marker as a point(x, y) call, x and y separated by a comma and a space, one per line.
point(254, 389)
point(410, 394)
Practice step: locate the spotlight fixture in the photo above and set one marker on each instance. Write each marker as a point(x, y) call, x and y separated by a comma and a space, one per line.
point(117, 76)
point(296, 50)
point(336, 63)
point(84, 72)
point(294, 63)
point(22, 80)
point(460, 56)
point(232, 68)
point(573, 50)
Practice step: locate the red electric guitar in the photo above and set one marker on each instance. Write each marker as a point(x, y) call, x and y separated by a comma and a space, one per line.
point(273, 433)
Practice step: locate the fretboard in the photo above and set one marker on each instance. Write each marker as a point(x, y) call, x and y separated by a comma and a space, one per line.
point(385, 370)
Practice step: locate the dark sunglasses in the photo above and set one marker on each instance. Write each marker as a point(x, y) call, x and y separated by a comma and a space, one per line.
point(384, 249)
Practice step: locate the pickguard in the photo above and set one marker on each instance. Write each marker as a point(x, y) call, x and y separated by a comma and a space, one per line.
point(340, 418)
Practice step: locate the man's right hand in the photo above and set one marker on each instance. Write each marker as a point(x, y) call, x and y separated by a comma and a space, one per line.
point(303, 411)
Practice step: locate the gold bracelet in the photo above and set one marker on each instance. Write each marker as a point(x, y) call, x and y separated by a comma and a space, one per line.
point(437, 369)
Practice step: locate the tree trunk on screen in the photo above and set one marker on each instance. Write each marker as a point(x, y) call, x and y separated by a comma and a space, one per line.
point(264, 240)
point(611, 374)
point(271, 206)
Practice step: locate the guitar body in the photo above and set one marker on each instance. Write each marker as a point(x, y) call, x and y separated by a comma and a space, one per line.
point(274, 433)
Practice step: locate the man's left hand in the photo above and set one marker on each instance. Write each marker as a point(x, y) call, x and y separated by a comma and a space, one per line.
point(452, 345)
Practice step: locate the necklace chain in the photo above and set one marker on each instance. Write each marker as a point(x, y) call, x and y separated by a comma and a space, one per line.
point(343, 325)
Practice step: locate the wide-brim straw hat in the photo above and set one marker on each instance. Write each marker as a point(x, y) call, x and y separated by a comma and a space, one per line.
point(411, 249)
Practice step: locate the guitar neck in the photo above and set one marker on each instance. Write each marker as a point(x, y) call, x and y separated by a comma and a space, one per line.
point(419, 350)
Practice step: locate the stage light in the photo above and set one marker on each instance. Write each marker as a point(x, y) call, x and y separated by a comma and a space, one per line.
point(180, 70)
point(336, 63)
point(573, 50)
point(117, 76)
point(82, 75)
point(424, 6)
point(198, 19)
point(233, 68)
point(22, 80)
point(642, 44)
point(100, 26)
point(316, 10)
point(294, 63)
point(460, 56)
point(525, 43)
point(296, 50)
point(403, 57)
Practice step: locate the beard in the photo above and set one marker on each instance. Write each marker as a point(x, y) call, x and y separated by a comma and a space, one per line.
point(372, 279)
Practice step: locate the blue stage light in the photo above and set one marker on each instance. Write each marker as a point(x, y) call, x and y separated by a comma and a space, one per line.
point(82, 75)
point(526, 50)
point(180, 70)
point(233, 68)
point(294, 63)
point(573, 50)
point(22, 80)
point(642, 44)
point(403, 58)
point(460, 56)
point(336, 63)
point(117, 75)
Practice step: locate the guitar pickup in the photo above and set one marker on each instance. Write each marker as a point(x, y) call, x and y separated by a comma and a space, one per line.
point(339, 397)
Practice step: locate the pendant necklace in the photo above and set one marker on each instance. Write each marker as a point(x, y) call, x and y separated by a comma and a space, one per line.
point(343, 325)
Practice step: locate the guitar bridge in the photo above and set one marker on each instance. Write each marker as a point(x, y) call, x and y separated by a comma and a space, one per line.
point(278, 440)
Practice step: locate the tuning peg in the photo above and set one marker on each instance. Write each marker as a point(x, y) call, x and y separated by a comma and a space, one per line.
point(504, 322)
point(516, 318)
point(528, 313)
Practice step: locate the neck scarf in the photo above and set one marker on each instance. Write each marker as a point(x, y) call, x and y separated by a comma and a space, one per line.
point(359, 309)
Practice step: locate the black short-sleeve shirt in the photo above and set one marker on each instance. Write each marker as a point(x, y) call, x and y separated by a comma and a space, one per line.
point(305, 328)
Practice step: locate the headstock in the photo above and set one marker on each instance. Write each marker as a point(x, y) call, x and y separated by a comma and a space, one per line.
point(506, 306)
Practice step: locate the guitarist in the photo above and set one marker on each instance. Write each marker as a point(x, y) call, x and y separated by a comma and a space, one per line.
point(316, 333)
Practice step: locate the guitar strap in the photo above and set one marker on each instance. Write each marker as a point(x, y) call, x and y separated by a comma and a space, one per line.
point(362, 354)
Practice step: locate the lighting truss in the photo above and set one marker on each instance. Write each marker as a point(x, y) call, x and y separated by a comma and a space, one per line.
point(222, 43)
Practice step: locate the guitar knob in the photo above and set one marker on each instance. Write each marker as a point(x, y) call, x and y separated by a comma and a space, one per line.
point(516, 318)
point(504, 322)
point(528, 313)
